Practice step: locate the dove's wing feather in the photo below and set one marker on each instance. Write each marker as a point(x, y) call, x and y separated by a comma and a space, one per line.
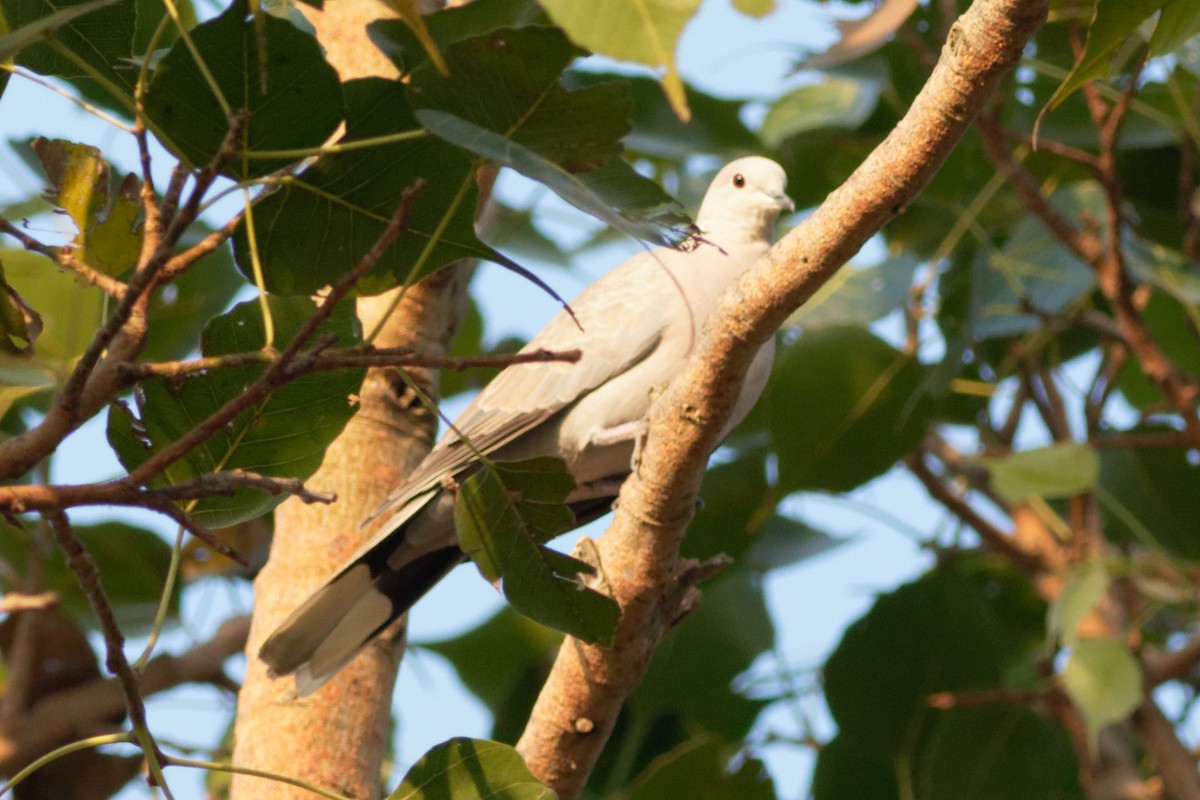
point(523, 396)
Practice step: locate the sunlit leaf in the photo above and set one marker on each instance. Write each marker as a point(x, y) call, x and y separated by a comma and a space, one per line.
point(858, 296)
point(1104, 681)
point(643, 31)
point(1076, 601)
point(1063, 469)
point(471, 769)
point(109, 236)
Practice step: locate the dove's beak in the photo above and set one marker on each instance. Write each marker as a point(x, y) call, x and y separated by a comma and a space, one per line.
point(785, 203)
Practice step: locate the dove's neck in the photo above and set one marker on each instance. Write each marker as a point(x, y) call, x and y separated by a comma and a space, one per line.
point(737, 225)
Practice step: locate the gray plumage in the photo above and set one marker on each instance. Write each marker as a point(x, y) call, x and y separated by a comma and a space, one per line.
point(635, 328)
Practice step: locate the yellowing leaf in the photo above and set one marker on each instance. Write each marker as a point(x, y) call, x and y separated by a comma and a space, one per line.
point(1102, 678)
point(644, 31)
point(1060, 470)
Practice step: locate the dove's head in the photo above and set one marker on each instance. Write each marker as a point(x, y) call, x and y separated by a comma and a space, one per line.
point(745, 197)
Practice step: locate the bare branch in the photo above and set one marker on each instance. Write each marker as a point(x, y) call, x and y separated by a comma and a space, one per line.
point(344, 358)
point(65, 257)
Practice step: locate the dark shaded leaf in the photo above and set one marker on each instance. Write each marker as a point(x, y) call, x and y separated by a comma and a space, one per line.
point(699, 769)
point(318, 226)
point(20, 325)
point(102, 37)
point(859, 296)
point(453, 24)
point(300, 108)
point(503, 101)
point(849, 768)
point(845, 406)
point(265, 439)
point(1000, 752)
point(1146, 496)
point(133, 565)
point(502, 514)
point(12, 42)
point(939, 635)
point(695, 665)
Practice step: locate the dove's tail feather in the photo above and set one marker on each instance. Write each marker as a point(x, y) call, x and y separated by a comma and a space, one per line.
point(340, 618)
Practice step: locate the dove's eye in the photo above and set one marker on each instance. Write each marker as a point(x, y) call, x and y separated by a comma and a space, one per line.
point(739, 180)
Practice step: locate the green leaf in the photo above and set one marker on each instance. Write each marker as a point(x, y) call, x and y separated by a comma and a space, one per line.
point(859, 296)
point(643, 31)
point(848, 768)
point(109, 234)
point(1032, 269)
point(698, 769)
point(503, 101)
point(178, 313)
point(266, 438)
point(102, 37)
point(1146, 496)
point(20, 325)
point(845, 406)
point(1104, 681)
point(1178, 21)
point(353, 194)
point(11, 43)
point(1170, 323)
point(1063, 469)
point(471, 769)
point(1113, 22)
point(1078, 598)
point(839, 101)
point(939, 634)
point(300, 105)
point(71, 312)
point(452, 24)
point(1000, 752)
point(503, 513)
point(133, 565)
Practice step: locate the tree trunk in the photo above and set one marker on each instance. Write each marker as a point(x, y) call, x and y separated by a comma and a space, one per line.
point(336, 738)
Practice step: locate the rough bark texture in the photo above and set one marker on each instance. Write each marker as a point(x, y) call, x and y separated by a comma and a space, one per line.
point(336, 738)
point(579, 704)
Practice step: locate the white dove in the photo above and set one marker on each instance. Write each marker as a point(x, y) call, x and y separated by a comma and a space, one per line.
point(636, 327)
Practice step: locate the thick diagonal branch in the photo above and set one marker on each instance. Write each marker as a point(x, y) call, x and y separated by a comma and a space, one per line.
point(579, 704)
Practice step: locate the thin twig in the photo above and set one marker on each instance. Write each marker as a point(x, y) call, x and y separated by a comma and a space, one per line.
point(990, 535)
point(84, 568)
point(13, 602)
point(277, 373)
point(343, 358)
point(66, 258)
